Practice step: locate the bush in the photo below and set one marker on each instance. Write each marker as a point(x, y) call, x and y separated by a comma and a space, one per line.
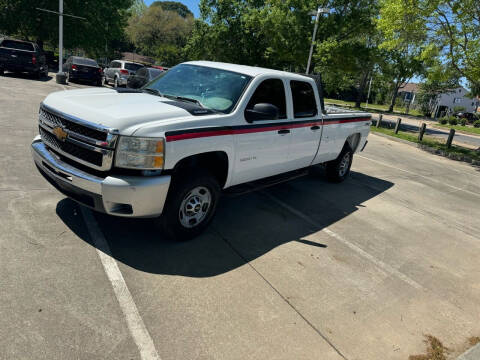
point(457, 109)
point(463, 121)
point(443, 120)
point(452, 120)
point(476, 124)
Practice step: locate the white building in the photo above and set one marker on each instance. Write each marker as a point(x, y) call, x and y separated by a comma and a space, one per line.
point(445, 103)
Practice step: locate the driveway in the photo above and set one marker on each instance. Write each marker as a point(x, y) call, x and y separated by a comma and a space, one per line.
point(302, 270)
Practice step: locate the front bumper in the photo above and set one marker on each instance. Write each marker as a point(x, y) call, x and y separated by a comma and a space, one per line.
point(128, 196)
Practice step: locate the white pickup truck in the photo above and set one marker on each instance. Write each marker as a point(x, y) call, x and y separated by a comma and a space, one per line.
point(167, 150)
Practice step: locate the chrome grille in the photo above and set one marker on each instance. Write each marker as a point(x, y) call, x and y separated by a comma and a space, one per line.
point(56, 120)
point(86, 143)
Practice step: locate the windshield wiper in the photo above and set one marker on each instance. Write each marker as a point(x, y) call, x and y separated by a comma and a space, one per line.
point(152, 91)
point(182, 98)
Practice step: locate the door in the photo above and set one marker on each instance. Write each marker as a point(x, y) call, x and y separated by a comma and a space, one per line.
point(307, 131)
point(261, 147)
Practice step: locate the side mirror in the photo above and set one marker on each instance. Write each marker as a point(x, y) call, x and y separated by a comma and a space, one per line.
point(262, 111)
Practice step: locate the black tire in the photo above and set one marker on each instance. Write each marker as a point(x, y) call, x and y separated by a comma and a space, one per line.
point(180, 191)
point(98, 83)
point(2, 72)
point(337, 170)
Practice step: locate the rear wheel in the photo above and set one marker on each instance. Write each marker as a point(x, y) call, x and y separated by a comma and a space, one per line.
point(338, 170)
point(190, 206)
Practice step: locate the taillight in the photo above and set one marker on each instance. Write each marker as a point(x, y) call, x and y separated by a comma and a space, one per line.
point(124, 72)
point(100, 70)
point(74, 67)
point(34, 60)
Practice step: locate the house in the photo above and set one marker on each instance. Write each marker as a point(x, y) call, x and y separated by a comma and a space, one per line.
point(408, 92)
point(447, 102)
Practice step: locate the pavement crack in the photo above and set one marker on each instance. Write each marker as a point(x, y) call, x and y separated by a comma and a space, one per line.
point(284, 298)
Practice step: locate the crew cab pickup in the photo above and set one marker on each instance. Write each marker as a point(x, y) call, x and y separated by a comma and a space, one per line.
point(22, 56)
point(169, 149)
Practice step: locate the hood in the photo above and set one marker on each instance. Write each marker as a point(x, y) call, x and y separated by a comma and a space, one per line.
point(123, 111)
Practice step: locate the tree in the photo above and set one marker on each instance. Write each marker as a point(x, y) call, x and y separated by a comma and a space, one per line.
point(399, 67)
point(160, 33)
point(174, 6)
point(347, 49)
point(448, 29)
point(21, 19)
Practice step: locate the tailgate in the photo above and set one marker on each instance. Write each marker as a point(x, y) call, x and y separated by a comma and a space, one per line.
point(16, 57)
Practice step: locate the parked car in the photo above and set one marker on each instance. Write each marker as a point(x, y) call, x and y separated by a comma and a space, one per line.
point(22, 56)
point(83, 69)
point(119, 70)
point(142, 77)
point(471, 117)
point(170, 148)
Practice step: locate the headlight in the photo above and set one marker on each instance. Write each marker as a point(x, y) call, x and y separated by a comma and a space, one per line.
point(139, 153)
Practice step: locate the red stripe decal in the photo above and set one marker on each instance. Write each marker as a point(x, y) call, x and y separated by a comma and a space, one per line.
point(248, 130)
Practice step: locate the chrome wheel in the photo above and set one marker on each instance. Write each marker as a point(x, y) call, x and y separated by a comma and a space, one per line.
point(195, 206)
point(344, 164)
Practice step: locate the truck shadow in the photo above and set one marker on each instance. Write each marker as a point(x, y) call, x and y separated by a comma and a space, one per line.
point(27, 76)
point(245, 228)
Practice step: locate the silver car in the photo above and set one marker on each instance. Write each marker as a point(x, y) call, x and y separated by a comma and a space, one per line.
point(119, 70)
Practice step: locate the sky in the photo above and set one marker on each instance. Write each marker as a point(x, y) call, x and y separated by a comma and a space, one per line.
point(191, 4)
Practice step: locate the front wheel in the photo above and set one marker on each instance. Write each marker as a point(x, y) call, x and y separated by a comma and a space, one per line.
point(339, 169)
point(190, 206)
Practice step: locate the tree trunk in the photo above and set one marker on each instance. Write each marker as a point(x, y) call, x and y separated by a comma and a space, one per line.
point(394, 97)
point(361, 89)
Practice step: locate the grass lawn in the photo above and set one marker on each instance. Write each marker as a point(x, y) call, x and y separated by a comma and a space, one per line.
point(469, 129)
point(429, 141)
point(396, 109)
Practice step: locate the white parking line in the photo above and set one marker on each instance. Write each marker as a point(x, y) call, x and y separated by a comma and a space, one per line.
point(135, 324)
point(423, 176)
point(379, 263)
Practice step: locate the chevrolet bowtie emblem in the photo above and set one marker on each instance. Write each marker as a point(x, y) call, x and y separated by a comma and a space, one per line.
point(60, 133)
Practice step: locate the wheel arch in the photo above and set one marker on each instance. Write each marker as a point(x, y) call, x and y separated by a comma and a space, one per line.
point(353, 141)
point(216, 162)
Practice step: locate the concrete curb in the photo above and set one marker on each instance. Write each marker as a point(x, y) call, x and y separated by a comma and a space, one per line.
point(471, 354)
point(435, 126)
point(431, 150)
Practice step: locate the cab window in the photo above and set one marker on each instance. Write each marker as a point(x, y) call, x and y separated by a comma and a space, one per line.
point(271, 91)
point(304, 104)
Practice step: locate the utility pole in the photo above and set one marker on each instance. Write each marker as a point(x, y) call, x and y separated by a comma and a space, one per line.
point(318, 13)
point(369, 88)
point(60, 76)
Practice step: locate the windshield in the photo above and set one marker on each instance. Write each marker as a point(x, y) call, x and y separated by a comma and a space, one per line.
point(215, 89)
point(84, 61)
point(133, 67)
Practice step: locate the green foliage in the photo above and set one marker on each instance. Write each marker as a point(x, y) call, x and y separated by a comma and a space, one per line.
point(448, 30)
point(452, 120)
point(174, 6)
point(457, 109)
point(463, 122)
point(160, 33)
point(476, 123)
point(103, 25)
point(443, 120)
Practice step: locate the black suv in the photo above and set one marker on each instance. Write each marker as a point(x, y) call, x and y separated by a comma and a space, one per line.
point(22, 56)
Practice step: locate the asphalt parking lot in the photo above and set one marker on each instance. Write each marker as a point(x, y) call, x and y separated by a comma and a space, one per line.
point(303, 270)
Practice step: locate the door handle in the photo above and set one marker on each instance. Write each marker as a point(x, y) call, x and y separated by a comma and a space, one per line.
point(284, 131)
point(315, 127)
